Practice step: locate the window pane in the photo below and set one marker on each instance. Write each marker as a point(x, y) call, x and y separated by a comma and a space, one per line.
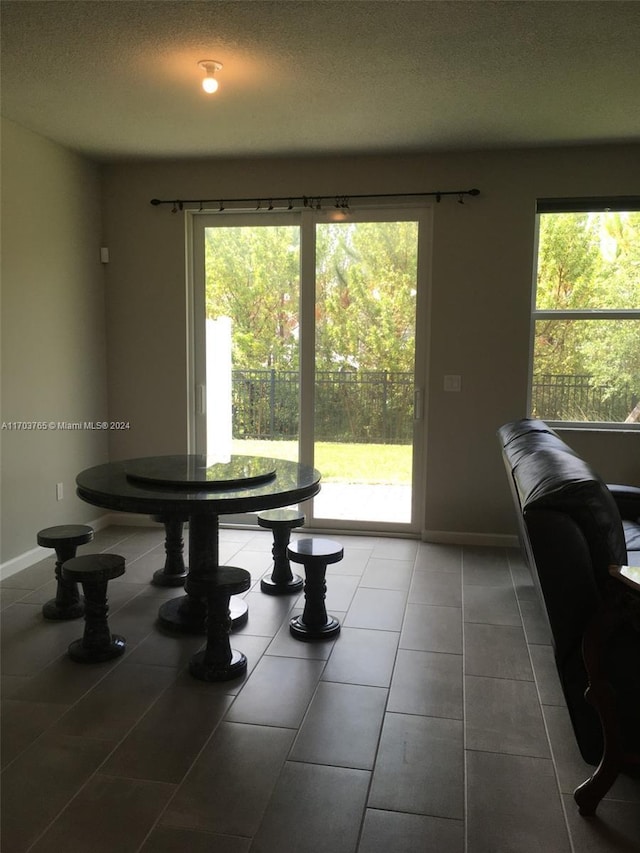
point(586, 370)
point(253, 278)
point(589, 261)
point(366, 290)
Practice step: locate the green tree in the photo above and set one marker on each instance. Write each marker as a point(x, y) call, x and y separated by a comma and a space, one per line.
point(253, 276)
point(568, 258)
point(365, 295)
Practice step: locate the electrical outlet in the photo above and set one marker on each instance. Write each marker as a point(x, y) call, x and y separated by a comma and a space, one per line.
point(59, 491)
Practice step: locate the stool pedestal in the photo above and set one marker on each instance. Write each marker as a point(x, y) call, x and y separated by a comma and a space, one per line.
point(174, 572)
point(94, 571)
point(64, 539)
point(218, 661)
point(315, 555)
point(281, 521)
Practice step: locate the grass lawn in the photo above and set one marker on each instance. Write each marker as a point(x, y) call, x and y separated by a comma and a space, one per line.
point(343, 463)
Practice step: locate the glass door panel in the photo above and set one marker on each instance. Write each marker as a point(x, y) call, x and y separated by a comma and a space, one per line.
point(252, 285)
point(365, 353)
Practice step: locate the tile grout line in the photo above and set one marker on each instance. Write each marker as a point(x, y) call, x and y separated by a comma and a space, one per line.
point(464, 706)
point(386, 705)
point(540, 705)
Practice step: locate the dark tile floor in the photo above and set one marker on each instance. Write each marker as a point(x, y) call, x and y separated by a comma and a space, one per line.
point(434, 722)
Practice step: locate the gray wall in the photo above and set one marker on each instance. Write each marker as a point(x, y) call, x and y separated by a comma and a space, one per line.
point(57, 300)
point(53, 333)
point(483, 254)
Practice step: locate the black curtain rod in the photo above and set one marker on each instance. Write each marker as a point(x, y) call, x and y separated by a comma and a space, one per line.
point(315, 202)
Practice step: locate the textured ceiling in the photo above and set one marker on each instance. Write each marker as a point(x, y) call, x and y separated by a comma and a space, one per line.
point(114, 79)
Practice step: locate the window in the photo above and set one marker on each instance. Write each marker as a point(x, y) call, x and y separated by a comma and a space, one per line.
point(585, 361)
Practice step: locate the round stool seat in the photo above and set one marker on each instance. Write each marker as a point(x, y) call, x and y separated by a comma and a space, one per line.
point(70, 534)
point(94, 568)
point(273, 518)
point(282, 581)
point(315, 552)
point(227, 580)
point(65, 539)
point(218, 661)
point(315, 555)
point(94, 571)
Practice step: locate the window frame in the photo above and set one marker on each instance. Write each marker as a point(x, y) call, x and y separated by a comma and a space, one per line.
point(576, 205)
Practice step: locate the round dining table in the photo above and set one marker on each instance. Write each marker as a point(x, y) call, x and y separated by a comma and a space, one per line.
point(191, 487)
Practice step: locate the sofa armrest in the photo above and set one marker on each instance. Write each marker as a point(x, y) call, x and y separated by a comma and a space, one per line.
point(628, 500)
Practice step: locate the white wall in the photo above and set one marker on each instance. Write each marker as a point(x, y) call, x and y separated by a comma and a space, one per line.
point(53, 333)
point(479, 327)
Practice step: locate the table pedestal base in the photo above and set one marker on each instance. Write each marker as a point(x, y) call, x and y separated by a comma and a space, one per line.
point(188, 615)
point(174, 572)
point(164, 578)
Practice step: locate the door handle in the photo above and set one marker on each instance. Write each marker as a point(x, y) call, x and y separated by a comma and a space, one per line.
point(201, 399)
point(417, 404)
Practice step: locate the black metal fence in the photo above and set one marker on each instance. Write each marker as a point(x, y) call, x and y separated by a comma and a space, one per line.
point(265, 404)
point(367, 407)
point(560, 397)
point(377, 407)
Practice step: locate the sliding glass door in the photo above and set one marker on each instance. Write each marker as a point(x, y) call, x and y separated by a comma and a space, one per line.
point(308, 343)
point(366, 283)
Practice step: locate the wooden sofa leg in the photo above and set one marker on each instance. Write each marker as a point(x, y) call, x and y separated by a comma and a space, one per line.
point(601, 696)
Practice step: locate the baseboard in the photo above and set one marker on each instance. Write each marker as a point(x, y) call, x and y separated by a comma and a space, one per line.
point(34, 555)
point(127, 519)
point(130, 519)
point(456, 537)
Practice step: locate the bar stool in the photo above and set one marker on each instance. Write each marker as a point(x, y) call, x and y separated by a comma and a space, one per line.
point(94, 571)
point(64, 539)
point(315, 555)
point(281, 522)
point(218, 661)
point(174, 572)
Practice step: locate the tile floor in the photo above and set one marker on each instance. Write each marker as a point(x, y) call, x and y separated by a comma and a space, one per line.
point(434, 722)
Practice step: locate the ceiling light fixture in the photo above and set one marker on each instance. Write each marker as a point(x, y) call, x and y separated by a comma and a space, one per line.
point(209, 82)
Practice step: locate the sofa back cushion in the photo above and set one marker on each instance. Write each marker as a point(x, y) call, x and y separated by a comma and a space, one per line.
point(571, 532)
point(548, 474)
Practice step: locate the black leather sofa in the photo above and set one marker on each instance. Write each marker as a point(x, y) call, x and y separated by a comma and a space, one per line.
point(572, 528)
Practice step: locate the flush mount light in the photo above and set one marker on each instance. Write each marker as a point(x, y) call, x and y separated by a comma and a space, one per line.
point(209, 82)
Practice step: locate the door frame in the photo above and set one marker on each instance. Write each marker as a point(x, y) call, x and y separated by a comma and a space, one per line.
point(307, 219)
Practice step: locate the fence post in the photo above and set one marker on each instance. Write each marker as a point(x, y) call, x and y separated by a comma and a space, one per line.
point(385, 400)
point(272, 404)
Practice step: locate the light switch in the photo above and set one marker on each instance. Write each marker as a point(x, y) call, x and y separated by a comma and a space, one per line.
point(452, 382)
